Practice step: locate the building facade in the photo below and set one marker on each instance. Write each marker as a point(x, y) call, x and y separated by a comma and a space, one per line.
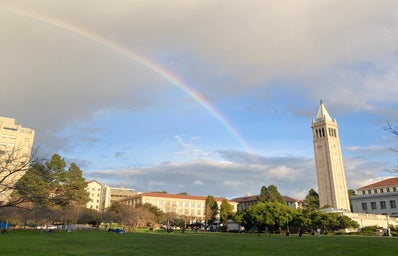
point(16, 144)
point(118, 194)
point(99, 196)
point(192, 207)
point(250, 200)
point(377, 198)
point(332, 187)
point(102, 196)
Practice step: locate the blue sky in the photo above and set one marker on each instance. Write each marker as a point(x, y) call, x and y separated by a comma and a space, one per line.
point(68, 71)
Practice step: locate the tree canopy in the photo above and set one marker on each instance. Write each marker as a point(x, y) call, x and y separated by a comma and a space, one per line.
point(225, 211)
point(311, 201)
point(270, 194)
point(211, 209)
point(51, 184)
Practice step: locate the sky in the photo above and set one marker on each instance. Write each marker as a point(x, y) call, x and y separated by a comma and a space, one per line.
point(202, 96)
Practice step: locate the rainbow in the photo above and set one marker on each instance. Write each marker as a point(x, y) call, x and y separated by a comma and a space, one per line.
point(142, 60)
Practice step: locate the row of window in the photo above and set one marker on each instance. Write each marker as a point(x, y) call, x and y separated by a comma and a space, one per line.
point(381, 190)
point(186, 204)
point(10, 128)
point(192, 212)
point(382, 205)
point(8, 136)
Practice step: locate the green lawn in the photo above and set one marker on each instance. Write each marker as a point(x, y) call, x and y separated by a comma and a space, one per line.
point(33, 242)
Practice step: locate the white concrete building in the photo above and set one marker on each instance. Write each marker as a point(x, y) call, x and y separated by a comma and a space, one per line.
point(99, 196)
point(249, 200)
point(102, 196)
point(377, 198)
point(191, 206)
point(16, 144)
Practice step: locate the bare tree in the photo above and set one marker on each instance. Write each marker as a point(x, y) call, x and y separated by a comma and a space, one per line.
point(393, 129)
point(14, 164)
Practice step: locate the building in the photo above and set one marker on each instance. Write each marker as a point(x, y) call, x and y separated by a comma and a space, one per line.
point(191, 206)
point(250, 200)
point(102, 196)
point(117, 194)
point(16, 144)
point(377, 198)
point(332, 187)
point(99, 196)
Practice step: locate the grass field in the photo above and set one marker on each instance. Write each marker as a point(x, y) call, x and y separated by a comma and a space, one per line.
point(33, 242)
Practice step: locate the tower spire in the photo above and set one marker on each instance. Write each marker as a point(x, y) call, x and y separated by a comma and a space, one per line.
point(323, 114)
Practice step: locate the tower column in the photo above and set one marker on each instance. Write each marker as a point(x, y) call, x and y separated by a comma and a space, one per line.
point(332, 187)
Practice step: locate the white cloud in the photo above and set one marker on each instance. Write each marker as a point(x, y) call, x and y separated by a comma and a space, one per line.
point(234, 51)
point(198, 183)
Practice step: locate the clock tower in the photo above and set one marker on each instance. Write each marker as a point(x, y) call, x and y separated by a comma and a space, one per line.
point(332, 187)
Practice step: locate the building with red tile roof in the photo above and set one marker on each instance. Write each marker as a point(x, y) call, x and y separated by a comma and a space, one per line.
point(249, 200)
point(191, 206)
point(377, 198)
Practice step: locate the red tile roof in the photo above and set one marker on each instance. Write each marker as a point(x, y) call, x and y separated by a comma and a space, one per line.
point(166, 195)
point(383, 183)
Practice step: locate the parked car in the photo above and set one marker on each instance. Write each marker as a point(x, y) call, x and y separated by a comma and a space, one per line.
point(47, 227)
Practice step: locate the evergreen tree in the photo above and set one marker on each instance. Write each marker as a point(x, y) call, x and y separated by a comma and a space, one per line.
point(270, 194)
point(264, 195)
point(311, 201)
point(211, 209)
point(52, 185)
point(225, 211)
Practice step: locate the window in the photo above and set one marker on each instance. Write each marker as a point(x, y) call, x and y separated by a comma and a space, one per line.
point(363, 192)
point(392, 204)
point(364, 207)
point(383, 205)
point(381, 190)
point(369, 191)
point(373, 205)
point(375, 190)
point(394, 189)
point(388, 189)
point(198, 205)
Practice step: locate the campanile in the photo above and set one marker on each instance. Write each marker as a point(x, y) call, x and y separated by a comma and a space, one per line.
point(332, 187)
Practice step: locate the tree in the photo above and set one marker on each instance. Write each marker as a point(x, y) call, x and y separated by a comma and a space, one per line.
point(311, 201)
point(13, 165)
point(393, 129)
point(50, 184)
point(270, 194)
point(225, 212)
point(264, 195)
point(75, 187)
point(34, 186)
point(266, 216)
point(211, 209)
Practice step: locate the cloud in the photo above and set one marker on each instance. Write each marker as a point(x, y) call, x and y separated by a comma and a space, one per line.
point(259, 59)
